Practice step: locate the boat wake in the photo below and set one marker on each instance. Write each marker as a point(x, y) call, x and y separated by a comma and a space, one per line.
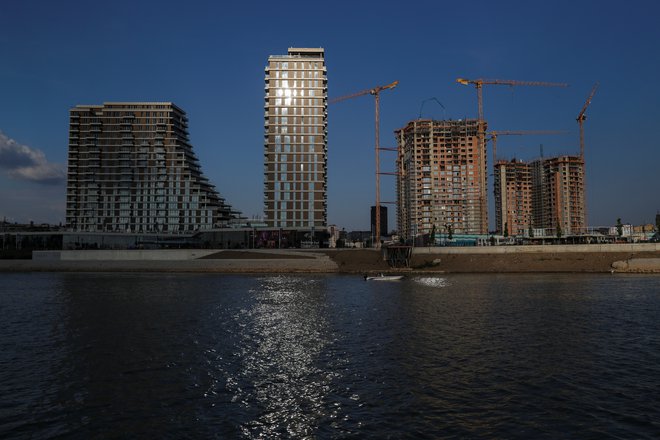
point(432, 281)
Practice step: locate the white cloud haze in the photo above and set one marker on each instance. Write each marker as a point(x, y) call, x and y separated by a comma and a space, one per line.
point(25, 163)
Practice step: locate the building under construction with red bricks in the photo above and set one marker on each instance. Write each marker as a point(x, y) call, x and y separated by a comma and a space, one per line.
point(441, 178)
point(545, 193)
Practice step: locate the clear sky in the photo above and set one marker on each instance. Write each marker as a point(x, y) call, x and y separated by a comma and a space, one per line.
point(208, 57)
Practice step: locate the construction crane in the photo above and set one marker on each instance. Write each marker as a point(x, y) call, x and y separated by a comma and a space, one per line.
point(581, 118)
point(478, 83)
point(376, 93)
point(495, 133)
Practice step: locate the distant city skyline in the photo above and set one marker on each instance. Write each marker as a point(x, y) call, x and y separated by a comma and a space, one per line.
point(56, 57)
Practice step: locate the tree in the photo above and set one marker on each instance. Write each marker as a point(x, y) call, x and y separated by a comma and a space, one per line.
point(432, 239)
point(506, 229)
point(559, 231)
point(619, 227)
point(531, 230)
point(450, 232)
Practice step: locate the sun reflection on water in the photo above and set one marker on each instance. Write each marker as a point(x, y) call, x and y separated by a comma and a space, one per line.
point(432, 281)
point(282, 337)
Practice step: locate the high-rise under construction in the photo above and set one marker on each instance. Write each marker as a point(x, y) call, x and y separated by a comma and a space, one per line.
point(441, 181)
point(545, 193)
point(512, 182)
point(295, 144)
point(558, 194)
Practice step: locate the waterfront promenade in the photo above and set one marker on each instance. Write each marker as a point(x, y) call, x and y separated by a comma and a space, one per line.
point(634, 258)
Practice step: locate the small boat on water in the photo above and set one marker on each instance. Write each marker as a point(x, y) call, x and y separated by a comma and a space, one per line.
point(382, 277)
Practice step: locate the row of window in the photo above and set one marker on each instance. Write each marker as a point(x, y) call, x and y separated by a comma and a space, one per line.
point(293, 86)
point(294, 129)
point(296, 74)
point(313, 105)
point(295, 139)
point(297, 166)
point(296, 120)
point(296, 64)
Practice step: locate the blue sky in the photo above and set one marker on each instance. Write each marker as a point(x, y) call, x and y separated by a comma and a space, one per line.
point(209, 58)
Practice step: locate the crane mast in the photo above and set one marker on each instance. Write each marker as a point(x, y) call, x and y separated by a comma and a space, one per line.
point(375, 91)
point(582, 117)
point(580, 120)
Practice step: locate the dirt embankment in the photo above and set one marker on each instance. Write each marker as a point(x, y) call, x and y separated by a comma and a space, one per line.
point(366, 260)
point(357, 260)
point(526, 262)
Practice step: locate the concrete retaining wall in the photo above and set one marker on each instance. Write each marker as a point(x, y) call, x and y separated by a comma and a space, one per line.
point(122, 255)
point(174, 260)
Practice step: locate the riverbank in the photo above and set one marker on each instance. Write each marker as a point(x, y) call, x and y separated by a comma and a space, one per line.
point(629, 258)
point(636, 258)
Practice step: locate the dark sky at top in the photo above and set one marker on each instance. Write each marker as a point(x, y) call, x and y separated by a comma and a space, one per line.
point(209, 58)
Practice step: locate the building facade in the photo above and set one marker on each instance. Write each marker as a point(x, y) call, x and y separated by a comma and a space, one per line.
point(547, 193)
point(512, 182)
point(383, 220)
point(558, 194)
point(131, 168)
point(441, 178)
point(295, 147)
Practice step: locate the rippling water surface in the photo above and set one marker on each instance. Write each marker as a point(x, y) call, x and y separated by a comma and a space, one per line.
point(328, 356)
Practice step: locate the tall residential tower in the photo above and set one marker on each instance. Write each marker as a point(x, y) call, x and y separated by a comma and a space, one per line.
point(295, 143)
point(558, 194)
point(546, 193)
point(441, 178)
point(131, 168)
point(512, 183)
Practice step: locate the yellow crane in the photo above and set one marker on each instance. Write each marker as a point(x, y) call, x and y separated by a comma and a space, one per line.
point(495, 133)
point(582, 117)
point(478, 84)
point(375, 91)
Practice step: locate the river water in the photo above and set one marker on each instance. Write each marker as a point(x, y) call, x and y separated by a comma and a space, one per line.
point(329, 356)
